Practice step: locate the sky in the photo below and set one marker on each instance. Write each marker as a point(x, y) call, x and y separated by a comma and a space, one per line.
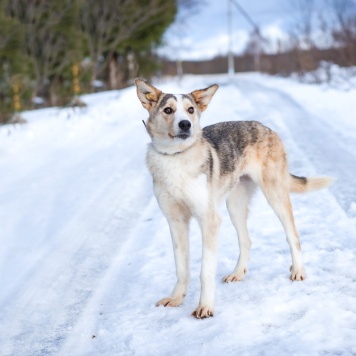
point(203, 32)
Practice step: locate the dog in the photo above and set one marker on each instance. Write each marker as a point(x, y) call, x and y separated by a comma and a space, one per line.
point(194, 169)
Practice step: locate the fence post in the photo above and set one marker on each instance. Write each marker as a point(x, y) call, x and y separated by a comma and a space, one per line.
point(16, 97)
point(76, 87)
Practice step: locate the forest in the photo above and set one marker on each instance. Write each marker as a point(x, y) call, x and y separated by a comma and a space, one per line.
point(52, 51)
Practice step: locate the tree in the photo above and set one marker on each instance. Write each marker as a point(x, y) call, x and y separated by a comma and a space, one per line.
point(344, 33)
point(50, 40)
point(12, 64)
point(117, 28)
point(42, 41)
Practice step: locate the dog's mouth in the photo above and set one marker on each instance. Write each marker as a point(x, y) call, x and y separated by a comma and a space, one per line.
point(182, 136)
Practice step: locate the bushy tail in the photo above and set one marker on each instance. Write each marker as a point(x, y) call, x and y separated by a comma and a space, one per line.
point(302, 184)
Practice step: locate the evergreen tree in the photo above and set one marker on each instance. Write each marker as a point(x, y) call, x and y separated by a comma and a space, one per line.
point(115, 27)
point(12, 63)
point(43, 41)
point(51, 40)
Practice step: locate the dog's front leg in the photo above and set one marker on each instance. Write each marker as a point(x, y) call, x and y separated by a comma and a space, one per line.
point(209, 227)
point(179, 231)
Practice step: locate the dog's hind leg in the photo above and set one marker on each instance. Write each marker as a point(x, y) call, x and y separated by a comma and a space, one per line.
point(276, 191)
point(179, 227)
point(237, 205)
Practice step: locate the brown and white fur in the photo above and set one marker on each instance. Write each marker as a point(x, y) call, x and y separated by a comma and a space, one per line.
point(194, 169)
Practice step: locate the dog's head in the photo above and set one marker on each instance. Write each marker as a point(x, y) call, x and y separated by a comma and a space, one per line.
point(173, 123)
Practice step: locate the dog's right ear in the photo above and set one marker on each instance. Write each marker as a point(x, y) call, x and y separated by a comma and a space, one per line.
point(147, 94)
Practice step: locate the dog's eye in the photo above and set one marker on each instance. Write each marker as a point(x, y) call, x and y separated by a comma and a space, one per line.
point(168, 110)
point(191, 110)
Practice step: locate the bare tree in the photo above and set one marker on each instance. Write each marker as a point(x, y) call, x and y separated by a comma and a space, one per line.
point(303, 43)
point(186, 8)
point(344, 32)
point(107, 25)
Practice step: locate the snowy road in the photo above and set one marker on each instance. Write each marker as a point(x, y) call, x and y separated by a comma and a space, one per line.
point(85, 251)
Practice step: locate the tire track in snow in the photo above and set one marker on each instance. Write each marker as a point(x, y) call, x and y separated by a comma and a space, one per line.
point(69, 273)
point(59, 195)
point(124, 269)
point(81, 248)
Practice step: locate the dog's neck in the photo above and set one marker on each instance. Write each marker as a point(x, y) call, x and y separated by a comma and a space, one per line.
point(176, 147)
point(174, 150)
point(173, 153)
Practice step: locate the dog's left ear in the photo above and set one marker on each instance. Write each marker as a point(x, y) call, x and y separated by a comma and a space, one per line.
point(202, 97)
point(147, 94)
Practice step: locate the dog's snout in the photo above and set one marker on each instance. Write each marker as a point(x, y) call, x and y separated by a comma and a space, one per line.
point(185, 125)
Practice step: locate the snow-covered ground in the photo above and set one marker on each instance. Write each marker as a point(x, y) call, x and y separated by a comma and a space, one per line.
point(85, 251)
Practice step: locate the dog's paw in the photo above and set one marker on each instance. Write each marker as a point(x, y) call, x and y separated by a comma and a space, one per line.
point(297, 274)
point(235, 277)
point(169, 302)
point(203, 312)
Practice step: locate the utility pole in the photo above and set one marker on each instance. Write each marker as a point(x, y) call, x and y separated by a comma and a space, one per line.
point(178, 49)
point(231, 67)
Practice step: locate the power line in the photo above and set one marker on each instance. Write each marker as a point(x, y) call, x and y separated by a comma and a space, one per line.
point(248, 18)
point(245, 14)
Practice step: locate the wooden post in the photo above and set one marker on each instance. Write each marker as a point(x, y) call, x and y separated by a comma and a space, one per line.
point(76, 87)
point(16, 98)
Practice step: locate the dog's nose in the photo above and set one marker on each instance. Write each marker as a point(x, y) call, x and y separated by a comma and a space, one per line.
point(185, 125)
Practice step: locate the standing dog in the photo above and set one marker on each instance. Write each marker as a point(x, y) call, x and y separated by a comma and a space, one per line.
point(193, 169)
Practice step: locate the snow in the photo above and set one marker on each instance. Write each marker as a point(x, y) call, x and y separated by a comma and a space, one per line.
point(85, 251)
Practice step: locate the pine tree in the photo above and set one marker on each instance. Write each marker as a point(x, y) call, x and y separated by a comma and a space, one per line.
point(113, 27)
point(12, 64)
point(51, 39)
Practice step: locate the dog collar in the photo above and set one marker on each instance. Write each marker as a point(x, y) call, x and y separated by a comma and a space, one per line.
point(175, 153)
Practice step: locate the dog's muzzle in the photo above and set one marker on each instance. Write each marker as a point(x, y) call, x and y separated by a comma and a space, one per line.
point(185, 126)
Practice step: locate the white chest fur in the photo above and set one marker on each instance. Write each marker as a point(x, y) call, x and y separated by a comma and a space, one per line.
point(181, 178)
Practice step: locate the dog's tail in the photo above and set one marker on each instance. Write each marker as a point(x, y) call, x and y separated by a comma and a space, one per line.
point(303, 184)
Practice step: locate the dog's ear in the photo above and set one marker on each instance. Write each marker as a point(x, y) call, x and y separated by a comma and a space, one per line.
point(202, 97)
point(147, 94)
